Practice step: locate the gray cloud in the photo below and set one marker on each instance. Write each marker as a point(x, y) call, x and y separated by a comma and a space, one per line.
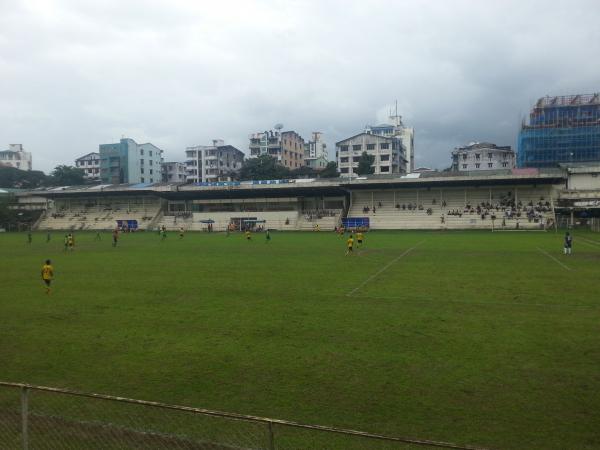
point(74, 74)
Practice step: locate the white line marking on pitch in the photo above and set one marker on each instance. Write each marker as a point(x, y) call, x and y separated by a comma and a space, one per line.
point(590, 241)
point(552, 257)
point(467, 302)
point(406, 252)
point(594, 246)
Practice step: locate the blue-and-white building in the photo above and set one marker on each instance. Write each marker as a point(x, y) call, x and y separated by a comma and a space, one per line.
point(129, 162)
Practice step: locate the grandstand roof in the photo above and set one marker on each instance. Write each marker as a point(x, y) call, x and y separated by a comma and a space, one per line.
point(315, 187)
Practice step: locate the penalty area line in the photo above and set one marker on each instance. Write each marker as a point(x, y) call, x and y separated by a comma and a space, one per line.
point(554, 259)
point(384, 268)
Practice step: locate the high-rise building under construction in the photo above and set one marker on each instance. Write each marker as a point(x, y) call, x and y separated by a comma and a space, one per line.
point(562, 129)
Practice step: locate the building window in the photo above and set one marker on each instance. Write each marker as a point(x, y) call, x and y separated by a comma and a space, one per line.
point(141, 179)
point(343, 148)
point(357, 147)
point(384, 146)
point(142, 151)
point(151, 161)
point(477, 165)
point(464, 166)
point(384, 169)
point(464, 156)
point(141, 162)
point(490, 155)
point(344, 170)
point(344, 159)
point(370, 146)
point(504, 164)
point(477, 155)
point(490, 165)
point(384, 157)
point(150, 152)
point(356, 159)
point(141, 170)
point(150, 171)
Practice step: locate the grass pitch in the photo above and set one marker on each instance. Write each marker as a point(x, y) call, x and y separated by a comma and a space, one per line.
point(490, 339)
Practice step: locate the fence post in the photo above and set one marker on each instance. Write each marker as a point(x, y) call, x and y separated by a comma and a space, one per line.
point(24, 417)
point(271, 437)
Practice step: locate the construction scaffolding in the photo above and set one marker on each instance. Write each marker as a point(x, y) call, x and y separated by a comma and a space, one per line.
point(563, 129)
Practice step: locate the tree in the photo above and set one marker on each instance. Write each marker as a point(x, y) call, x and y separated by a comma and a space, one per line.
point(11, 177)
point(67, 176)
point(304, 172)
point(233, 175)
point(264, 167)
point(365, 164)
point(330, 171)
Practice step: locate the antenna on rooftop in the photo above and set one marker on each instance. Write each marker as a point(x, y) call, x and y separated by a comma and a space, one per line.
point(278, 126)
point(397, 120)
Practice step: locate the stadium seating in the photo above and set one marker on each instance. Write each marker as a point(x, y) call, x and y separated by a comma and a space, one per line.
point(448, 208)
point(274, 220)
point(79, 215)
point(325, 220)
point(175, 222)
point(470, 208)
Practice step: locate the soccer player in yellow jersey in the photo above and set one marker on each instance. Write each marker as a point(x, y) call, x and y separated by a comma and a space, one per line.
point(47, 275)
point(359, 238)
point(350, 243)
point(248, 235)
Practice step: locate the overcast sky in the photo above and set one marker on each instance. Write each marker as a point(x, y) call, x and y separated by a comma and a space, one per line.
point(78, 73)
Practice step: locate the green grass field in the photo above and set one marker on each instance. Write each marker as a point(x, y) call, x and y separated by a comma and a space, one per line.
point(480, 338)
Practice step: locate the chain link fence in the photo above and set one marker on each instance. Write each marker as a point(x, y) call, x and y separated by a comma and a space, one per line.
point(39, 418)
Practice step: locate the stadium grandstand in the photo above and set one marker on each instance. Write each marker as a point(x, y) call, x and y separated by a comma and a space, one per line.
point(510, 199)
